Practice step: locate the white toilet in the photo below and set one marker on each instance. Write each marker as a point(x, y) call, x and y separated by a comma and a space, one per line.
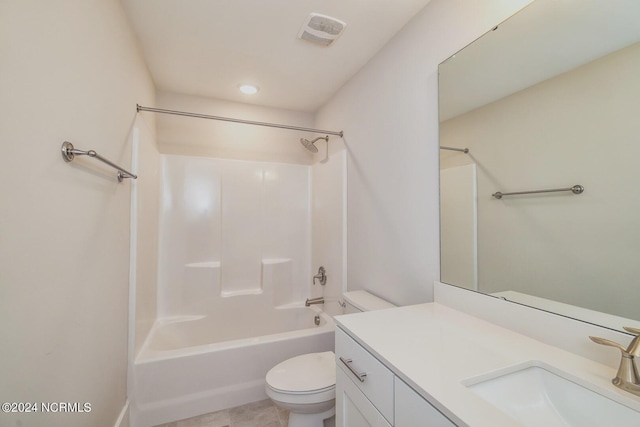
point(306, 385)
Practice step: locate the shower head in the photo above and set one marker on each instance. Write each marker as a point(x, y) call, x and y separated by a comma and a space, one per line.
point(309, 145)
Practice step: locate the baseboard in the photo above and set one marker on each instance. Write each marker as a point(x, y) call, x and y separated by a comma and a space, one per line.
point(123, 419)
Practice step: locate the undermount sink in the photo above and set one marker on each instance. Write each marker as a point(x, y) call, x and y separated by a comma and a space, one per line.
point(537, 394)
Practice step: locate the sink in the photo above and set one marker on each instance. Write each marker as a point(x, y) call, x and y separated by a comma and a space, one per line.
point(536, 394)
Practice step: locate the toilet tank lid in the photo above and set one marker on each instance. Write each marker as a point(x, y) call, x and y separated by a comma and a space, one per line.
point(364, 301)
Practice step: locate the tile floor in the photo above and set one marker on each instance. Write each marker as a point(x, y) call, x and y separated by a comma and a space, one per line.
point(258, 414)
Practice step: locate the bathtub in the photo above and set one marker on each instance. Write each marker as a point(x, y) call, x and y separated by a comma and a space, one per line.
point(192, 365)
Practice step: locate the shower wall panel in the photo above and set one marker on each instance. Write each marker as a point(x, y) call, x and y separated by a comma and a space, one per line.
point(242, 235)
point(225, 226)
point(287, 223)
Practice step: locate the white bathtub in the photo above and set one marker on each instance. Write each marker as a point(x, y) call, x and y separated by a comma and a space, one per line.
point(193, 365)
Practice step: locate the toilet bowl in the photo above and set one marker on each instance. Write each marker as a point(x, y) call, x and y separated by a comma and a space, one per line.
point(306, 385)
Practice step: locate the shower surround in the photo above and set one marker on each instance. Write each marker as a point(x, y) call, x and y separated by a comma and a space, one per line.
point(230, 228)
point(234, 270)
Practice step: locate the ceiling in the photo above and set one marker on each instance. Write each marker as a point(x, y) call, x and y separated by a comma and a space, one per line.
point(547, 38)
point(208, 47)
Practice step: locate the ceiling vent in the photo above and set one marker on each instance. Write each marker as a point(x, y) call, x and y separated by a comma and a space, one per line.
point(321, 29)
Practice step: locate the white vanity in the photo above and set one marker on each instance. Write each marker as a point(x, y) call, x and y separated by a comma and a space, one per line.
point(421, 366)
point(368, 393)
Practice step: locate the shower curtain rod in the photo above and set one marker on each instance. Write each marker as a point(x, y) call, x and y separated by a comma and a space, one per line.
point(229, 119)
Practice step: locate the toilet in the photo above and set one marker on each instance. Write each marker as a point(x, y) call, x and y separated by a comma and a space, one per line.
point(306, 385)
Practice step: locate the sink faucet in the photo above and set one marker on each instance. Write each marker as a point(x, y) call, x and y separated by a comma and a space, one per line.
point(627, 377)
point(311, 301)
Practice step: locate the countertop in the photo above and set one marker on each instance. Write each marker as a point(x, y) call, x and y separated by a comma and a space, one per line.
point(434, 349)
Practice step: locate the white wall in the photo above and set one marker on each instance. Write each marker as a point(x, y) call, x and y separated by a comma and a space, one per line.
point(213, 138)
point(70, 71)
point(389, 113)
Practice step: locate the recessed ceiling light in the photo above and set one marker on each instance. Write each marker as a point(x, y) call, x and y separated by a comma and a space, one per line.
point(248, 89)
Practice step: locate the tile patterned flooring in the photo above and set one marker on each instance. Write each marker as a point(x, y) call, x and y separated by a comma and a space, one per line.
point(258, 414)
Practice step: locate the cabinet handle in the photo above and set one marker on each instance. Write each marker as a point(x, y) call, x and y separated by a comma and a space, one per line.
point(347, 363)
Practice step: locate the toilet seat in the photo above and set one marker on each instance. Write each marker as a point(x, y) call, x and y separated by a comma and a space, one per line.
point(309, 378)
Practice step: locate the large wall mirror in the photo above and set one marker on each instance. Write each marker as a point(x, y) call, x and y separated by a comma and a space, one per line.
point(548, 100)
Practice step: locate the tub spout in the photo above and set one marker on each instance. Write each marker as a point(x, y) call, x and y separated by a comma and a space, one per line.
point(310, 301)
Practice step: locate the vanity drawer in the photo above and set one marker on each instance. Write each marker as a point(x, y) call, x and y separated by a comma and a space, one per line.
point(366, 372)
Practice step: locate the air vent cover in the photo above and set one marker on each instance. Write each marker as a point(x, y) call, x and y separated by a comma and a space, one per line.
point(321, 29)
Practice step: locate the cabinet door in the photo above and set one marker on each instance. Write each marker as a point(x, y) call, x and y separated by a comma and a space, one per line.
point(353, 409)
point(411, 410)
point(377, 385)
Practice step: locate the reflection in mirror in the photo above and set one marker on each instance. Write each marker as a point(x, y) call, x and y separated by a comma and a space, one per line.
point(549, 99)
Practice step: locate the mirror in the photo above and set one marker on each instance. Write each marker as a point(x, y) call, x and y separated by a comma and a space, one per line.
point(547, 100)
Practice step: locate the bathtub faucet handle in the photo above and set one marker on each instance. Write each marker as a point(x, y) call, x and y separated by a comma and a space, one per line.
point(322, 276)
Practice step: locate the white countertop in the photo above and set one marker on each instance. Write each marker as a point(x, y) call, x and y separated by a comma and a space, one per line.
point(434, 348)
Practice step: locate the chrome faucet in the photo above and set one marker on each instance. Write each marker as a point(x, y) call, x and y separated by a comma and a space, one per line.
point(311, 301)
point(322, 276)
point(627, 377)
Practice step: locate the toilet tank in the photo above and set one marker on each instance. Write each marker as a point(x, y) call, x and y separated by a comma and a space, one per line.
point(358, 301)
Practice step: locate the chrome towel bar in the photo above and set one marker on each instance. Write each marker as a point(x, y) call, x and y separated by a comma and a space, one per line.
point(576, 189)
point(68, 153)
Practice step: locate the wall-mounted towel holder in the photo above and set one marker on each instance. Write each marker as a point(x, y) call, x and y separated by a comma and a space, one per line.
point(69, 152)
point(576, 189)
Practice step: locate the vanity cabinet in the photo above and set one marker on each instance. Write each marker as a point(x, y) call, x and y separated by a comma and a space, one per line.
point(368, 394)
point(364, 386)
point(411, 410)
point(353, 409)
